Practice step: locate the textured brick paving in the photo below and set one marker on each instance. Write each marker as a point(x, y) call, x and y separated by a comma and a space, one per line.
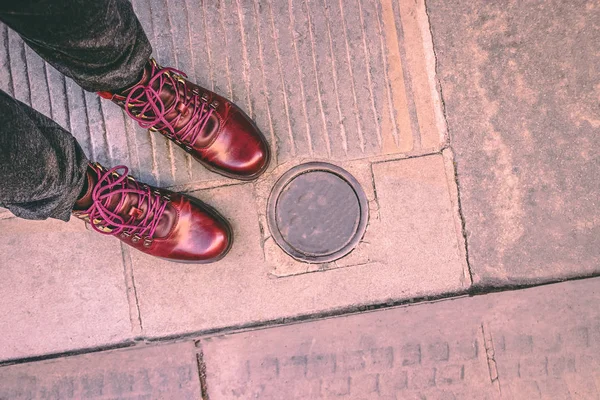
point(540, 343)
point(165, 372)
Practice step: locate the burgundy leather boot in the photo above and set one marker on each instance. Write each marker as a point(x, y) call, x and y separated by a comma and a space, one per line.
point(156, 221)
point(209, 127)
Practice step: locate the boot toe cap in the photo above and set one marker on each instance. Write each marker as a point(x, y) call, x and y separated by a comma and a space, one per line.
point(240, 150)
point(210, 237)
point(202, 235)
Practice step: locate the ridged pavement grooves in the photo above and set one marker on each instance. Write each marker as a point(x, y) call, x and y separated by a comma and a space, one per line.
point(324, 79)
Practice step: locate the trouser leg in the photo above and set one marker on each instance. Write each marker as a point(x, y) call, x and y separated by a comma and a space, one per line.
point(42, 167)
point(100, 44)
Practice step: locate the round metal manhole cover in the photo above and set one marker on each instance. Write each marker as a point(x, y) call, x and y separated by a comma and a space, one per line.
point(317, 212)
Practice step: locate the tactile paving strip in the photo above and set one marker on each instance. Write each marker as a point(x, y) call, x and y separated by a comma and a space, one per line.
point(324, 79)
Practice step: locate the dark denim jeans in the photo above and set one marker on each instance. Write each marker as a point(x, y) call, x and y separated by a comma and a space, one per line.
point(100, 44)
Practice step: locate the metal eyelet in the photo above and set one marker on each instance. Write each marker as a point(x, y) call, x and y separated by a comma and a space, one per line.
point(105, 229)
point(147, 241)
point(125, 235)
point(214, 104)
point(188, 148)
point(135, 238)
point(167, 197)
point(204, 97)
point(157, 192)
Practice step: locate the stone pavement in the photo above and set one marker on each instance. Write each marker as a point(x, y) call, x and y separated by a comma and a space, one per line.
point(490, 188)
point(538, 343)
point(521, 93)
point(353, 84)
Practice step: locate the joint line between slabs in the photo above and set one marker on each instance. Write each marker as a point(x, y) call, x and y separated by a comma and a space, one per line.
point(135, 316)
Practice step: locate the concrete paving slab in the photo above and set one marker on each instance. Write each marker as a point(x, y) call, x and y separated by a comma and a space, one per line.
point(521, 95)
point(63, 288)
point(146, 372)
point(419, 217)
point(539, 343)
point(412, 248)
point(323, 79)
point(418, 200)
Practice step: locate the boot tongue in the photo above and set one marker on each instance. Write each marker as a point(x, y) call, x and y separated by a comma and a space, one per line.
point(180, 112)
point(127, 205)
point(166, 94)
point(183, 112)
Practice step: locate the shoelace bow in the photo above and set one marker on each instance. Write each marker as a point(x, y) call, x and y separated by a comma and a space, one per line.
point(150, 110)
point(101, 216)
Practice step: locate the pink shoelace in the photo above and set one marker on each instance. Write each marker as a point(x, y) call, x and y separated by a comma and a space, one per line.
point(111, 184)
point(150, 110)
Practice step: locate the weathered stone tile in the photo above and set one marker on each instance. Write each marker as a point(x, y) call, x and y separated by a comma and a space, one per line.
point(521, 97)
point(153, 372)
point(417, 228)
point(63, 288)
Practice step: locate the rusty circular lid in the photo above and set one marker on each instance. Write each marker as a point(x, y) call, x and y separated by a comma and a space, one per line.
point(317, 212)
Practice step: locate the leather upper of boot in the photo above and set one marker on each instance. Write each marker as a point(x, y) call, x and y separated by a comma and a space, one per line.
point(156, 221)
point(208, 126)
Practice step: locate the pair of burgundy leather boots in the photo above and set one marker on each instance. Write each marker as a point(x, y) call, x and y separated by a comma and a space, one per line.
point(207, 126)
